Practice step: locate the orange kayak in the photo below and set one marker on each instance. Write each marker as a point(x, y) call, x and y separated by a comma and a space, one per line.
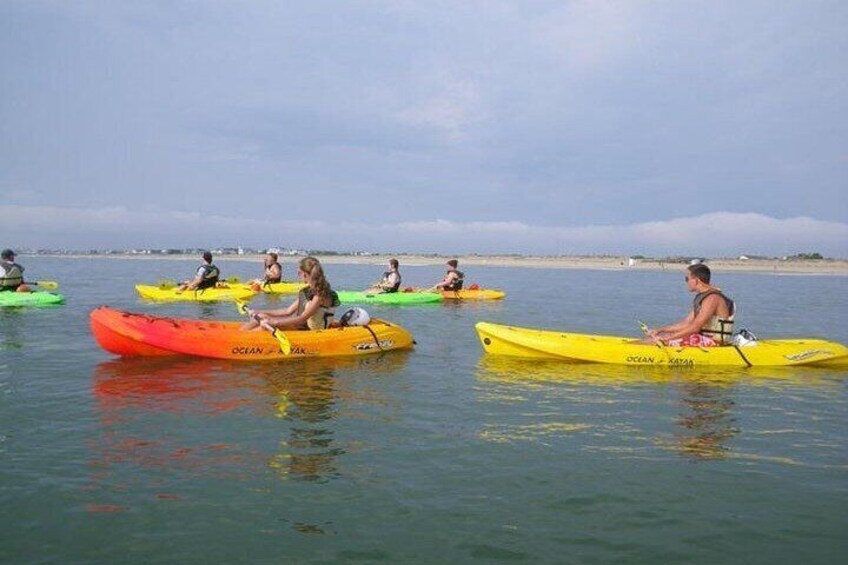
point(130, 334)
point(469, 294)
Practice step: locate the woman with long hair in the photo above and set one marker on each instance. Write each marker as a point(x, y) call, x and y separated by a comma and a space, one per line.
point(314, 308)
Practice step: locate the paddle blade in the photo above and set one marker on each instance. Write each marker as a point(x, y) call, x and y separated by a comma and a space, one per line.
point(242, 308)
point(282, 340)
point(166, 284)
point(49, 285)
point(233, 280)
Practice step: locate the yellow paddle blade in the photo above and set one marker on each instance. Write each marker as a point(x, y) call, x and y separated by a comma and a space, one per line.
point(233, 280)
point(166, 284)
point(242, 308)
point(49, 285)
point(285, 344)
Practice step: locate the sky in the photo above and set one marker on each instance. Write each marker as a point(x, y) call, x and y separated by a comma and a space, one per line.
point(570, 127)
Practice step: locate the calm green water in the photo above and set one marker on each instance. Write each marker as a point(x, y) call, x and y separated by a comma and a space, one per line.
point(440, 455)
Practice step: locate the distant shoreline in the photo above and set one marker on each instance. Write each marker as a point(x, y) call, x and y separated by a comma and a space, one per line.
point(838, 267)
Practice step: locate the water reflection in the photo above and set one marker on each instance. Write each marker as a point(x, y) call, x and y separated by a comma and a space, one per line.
point(706, 420)
point(225, 419)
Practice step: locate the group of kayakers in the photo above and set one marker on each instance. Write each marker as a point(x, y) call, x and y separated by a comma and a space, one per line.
point(314, 307)
point(709, 322)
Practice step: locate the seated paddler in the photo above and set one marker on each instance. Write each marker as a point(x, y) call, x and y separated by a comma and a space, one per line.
point(314, 308)
point(390, 282)
point(709, 323)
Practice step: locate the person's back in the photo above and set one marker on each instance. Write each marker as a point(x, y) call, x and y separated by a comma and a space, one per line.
point(206, 276)
point(11, 274)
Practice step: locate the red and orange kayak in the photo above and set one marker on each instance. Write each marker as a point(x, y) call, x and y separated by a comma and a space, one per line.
point(130, 334)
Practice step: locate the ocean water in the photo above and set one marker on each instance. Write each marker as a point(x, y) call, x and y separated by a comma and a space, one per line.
point(438, 455)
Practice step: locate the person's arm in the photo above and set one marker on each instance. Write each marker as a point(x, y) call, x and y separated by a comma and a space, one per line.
point(266, 315)
point(289, 320)
point(708, 309)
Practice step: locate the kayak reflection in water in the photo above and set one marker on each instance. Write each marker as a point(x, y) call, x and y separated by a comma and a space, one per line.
point(709, 323)
point(389, 283)
point(314, 308)
point(206, 276)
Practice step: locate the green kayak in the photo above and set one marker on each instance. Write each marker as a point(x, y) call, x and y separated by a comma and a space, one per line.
point(398, 298)
point(33, 298)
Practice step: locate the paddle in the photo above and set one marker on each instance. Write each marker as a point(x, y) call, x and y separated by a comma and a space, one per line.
point(167, 284)
point(657, 342)
point(285, 344)
point(49, 285)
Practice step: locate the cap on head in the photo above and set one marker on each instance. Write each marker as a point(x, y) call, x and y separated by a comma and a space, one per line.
point(207, 256)
point(453, 263)
point(7, 254)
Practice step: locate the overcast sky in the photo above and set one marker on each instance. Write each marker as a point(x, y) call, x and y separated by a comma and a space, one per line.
point(709, 128)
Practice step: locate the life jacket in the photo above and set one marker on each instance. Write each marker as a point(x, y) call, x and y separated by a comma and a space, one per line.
point(394, 287)
point(322, 317)
point(720, 329)
point(13, 276)
point(457, 284)
point(271, 279)
point(209, 276)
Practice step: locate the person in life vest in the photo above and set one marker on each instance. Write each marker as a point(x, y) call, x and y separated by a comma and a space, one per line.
point(273, 271)
point(709, 323)
point(390, 282)
point(314, 308)
point(206, 276)
point(11, 274)
point(453, 278)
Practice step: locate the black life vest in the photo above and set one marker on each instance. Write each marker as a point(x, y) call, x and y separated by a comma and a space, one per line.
point(457, 284)
point(210, 276)
point(271, 280)
point(394, 287)
point(720, 328)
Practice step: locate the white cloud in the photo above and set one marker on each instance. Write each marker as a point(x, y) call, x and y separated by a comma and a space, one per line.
point(713, 234)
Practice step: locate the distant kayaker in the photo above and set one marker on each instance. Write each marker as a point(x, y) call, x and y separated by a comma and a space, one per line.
point(390, 282)
point(314, 308)
point(273, 271)
point(453, 278)
point(709, 323)
point(206, 276)
point(11, 274)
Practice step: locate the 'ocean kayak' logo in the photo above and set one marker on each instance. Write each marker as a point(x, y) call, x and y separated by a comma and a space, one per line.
point(807, 354)
point(373, 345)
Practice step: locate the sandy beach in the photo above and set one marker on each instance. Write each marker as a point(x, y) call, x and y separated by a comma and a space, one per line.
point(837, 267)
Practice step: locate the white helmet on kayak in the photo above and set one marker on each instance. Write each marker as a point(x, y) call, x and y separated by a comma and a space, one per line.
point(355, 317)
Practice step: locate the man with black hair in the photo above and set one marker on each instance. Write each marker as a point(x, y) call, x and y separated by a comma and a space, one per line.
point(709, 323)
point(206, 275)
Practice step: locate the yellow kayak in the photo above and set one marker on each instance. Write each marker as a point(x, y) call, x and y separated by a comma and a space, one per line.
point(274, 288)
point(584, 348)
point(473, 294)
point(206, 295)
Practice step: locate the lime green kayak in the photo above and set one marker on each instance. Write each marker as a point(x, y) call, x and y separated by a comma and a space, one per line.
point(32, 298)
point(397, 298)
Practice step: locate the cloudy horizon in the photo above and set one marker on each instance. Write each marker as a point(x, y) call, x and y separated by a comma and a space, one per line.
point(491, 127)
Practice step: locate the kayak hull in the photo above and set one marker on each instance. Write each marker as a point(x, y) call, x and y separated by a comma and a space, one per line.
point(274, 288)
point(151, 292)
point(32, 298)
point(513, 341)
point(468, 294)
point(395, 298)
point(131, 334)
